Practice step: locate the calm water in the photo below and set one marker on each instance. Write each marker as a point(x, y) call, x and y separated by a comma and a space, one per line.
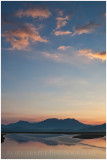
point(32, 146)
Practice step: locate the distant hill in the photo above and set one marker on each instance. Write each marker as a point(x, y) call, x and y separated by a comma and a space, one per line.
point(52, 125)
point(95, 128)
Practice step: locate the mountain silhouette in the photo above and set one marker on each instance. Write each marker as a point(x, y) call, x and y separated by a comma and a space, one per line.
point(95, 128)
point(53, 125)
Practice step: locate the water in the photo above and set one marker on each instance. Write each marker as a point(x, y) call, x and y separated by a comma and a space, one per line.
point(48, 146)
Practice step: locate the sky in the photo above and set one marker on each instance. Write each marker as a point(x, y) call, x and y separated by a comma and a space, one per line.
point(53, 61)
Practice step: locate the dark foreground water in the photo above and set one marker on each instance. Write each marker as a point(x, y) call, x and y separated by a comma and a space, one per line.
point(57, 146)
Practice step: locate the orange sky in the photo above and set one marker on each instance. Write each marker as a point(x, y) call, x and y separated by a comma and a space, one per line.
point(11, 118)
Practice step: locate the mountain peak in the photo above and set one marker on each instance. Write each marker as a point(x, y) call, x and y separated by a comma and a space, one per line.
point(70, 119)
point(51, 119)
point(20, 122)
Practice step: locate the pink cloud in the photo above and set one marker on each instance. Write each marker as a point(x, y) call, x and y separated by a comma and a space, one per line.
point(87, 28)
point(63, 47)
point(21, 38)
point(83, 51)
point(60, 33)
point(61, 21)
point(72, 55)
point(34, 12)
point(93, 55)
point(52, 56)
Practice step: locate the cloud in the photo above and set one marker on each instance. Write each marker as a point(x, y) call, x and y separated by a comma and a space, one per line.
point(87, 28)
point(60, 33)
point(63, 47)
point(63, 56)
point(68, 54)
point(93, 55)
point(34, 13)
point(83, 51)
point(51, 56)
point(61, 21)
point(21, 38)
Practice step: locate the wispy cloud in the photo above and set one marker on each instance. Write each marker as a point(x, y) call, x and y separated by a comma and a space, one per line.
point(63, 47)
point(60, 33)
point(83, 51)
point(68, 54)
point(93, 55)
point(61, 21)
point(87, 28)
point(51, 56)
point(34, 12)
point(21, 38)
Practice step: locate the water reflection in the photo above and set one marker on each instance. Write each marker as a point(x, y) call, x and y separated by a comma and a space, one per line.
point(48, 139)
point(52, 146)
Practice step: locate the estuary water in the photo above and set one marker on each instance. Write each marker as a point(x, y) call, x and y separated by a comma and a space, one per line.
point(52, 146)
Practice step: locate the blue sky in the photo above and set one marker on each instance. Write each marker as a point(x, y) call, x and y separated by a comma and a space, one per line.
point(53, 61)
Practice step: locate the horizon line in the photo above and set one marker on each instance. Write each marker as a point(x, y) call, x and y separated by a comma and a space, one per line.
point(50, 119)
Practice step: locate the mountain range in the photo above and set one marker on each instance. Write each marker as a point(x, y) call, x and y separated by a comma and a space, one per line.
point(53, 125)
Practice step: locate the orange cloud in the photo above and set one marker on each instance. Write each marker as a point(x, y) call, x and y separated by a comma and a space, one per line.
point(22, 37)
point(93, 55)
point(34, 12)
point(63, 47)
point(61, 21)
point(87, 28)
point(71, 55)
point(52, 56)
point(60, 33)
point(83, 51)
